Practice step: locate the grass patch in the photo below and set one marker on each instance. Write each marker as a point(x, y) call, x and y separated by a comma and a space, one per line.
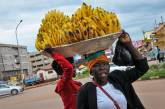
point(155, 71)
point(152, 74)
point(84, 74)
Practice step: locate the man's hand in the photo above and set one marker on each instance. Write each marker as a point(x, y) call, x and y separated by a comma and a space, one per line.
point(48, 49)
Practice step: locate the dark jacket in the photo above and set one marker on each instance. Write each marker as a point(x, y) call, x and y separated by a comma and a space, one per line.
point(122, 80)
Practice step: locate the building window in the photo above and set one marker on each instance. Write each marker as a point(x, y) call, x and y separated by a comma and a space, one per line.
point(31, 56)
point(38, 60)
point(33, 61)
point(50, 72)
point(40, 65)
point(17, 60)
point(38, 54)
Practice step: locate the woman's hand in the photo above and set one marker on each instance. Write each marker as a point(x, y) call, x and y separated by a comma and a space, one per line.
point(125, 38)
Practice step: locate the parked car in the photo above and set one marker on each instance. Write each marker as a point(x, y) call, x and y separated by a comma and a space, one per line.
point(31, 80)
point(3, 82)
point(9, 89)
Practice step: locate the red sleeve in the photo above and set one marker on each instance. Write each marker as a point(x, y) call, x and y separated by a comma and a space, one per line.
point(65, 65)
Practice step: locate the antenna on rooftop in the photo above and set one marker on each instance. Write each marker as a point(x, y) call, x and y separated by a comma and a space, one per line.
point(155, 23)
point(161, 19)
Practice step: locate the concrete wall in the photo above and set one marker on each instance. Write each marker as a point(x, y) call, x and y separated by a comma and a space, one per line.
point(12, 62)
point(39, 61)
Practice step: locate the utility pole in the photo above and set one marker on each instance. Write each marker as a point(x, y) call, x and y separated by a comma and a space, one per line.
point(155, 23)
point(1, 73)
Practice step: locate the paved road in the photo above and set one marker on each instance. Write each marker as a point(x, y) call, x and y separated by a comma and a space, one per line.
point(151, 92)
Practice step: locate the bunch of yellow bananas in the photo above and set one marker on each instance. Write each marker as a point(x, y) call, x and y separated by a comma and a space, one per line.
point(87, 22)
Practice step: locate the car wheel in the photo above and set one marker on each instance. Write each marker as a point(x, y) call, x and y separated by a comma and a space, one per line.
point(14, 92)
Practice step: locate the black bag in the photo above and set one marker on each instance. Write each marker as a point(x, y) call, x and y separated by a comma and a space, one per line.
point(122, 56)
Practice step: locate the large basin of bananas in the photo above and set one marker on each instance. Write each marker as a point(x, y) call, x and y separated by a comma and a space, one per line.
point(86, 46)
point(86, 31)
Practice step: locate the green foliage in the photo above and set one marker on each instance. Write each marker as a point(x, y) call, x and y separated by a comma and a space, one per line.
point(84, 74)
point(163, 65)
point(153, 74)
point(155, 71)
point(154, 67)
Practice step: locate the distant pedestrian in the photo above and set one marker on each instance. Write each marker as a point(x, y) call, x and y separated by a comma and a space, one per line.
point(160, 56)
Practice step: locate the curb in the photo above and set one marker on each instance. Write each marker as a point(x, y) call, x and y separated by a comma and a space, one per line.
point(39, 85)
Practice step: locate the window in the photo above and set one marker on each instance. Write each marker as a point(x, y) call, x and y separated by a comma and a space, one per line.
point(49, 72)
point(46, 64)
point(38, 54)
point(38, 60)
point(4, 86)
point(40, 65)
point(31, 56)
point(33, 61)
point(16, 56)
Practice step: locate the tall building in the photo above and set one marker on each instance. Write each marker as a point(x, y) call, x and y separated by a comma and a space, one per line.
point(14, 61)
point(39, 61)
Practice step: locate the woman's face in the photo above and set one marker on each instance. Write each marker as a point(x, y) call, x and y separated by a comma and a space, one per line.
point(100, 72)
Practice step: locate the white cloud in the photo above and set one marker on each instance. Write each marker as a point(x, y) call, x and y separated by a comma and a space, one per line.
point(68, 10)
point(6, 36)
point(134, 16)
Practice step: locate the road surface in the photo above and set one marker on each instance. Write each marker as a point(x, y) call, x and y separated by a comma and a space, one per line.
point(151, 93)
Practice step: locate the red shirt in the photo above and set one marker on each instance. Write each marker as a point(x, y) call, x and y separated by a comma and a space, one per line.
point(66, 87)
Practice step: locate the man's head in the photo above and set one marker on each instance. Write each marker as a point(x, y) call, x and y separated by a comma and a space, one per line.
point(58, 68)
point(99, 66)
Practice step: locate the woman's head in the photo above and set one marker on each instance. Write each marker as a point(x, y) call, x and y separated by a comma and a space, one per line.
point(98, 65)
point(100, 71)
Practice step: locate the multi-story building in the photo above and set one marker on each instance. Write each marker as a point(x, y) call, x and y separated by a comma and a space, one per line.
point(39, 61)
point(160, 34)
point(14, 61)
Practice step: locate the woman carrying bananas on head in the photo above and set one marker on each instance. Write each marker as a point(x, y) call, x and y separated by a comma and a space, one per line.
point(112, 90)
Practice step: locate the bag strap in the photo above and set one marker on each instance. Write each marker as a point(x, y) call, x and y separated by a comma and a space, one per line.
point(106, 93)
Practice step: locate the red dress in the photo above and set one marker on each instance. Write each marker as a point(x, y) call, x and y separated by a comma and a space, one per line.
point(66, 87)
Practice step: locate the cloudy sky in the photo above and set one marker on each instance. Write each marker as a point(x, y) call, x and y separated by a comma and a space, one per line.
point(135, 16)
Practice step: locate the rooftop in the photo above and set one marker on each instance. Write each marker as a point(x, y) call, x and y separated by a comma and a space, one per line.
point(11, 45)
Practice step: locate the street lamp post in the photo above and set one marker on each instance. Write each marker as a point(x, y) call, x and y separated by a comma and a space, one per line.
point(19, 57)
point(17, 31)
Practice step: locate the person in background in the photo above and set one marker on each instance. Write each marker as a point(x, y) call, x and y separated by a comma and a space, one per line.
point(66, 87)
point(112, 90)
point(160, 55)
